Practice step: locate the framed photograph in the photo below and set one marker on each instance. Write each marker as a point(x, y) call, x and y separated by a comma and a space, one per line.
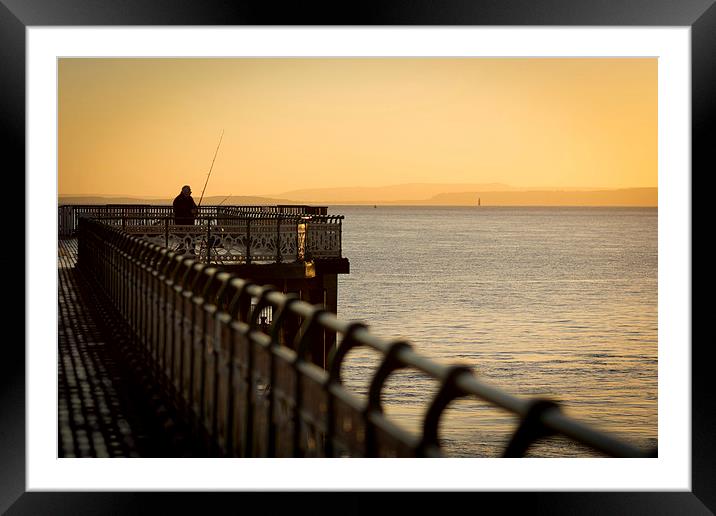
point(674, 44)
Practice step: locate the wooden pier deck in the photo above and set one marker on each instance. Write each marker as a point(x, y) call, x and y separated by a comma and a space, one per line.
point(103, 408)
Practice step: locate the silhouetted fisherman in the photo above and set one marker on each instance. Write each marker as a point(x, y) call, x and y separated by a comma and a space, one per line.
point(185, 210)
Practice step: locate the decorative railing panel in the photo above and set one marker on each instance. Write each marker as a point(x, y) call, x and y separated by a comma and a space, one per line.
point(257, 391)
point(263, 240)
point(288, 240)
point(69, 214)
point(323, 239)
point(251, 238)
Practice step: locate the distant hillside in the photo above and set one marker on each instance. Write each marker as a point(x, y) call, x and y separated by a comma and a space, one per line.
point(489, 195)
point(383, 194)
point(494, 194)
point(622, 197)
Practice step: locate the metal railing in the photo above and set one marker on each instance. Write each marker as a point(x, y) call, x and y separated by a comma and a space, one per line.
point(256, 390)
point(252, 237)
point(69, 214)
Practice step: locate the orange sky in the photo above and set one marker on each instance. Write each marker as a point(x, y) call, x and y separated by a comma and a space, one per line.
point(144, 127)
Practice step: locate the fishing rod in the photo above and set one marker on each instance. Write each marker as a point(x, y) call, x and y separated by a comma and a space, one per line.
point(222, 202)
point(210, 168)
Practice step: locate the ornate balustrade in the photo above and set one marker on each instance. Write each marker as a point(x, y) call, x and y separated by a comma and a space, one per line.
point(68, 215)
point(231, 236)
point(253, 390)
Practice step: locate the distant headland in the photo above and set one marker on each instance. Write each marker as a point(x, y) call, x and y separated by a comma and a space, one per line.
point(415, 194)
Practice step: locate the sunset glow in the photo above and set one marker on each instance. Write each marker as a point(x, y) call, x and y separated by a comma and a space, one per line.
point(144, 127)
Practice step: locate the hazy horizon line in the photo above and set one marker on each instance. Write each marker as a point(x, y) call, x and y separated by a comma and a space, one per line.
point(511, 189)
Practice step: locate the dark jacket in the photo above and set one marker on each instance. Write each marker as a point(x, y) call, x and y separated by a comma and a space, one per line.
point(183, 207)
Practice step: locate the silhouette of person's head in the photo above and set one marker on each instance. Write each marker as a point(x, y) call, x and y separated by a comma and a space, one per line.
point(186, 190)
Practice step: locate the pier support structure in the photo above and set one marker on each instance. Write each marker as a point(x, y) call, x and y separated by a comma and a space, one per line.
point(315, 282)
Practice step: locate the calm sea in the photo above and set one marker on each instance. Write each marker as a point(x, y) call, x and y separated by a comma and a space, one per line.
point(552, 302)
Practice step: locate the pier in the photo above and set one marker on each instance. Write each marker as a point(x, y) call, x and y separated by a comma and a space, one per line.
point(235, 350)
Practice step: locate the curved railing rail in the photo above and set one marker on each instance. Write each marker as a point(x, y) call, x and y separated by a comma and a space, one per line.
point(69, 214)
point(256, 390)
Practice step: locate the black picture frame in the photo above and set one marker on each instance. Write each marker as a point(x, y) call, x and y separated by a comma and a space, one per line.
point(17, 15)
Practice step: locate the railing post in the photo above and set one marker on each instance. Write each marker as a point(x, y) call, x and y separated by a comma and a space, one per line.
point(531, 428)
point(306, 241)
point(208, 240)
point(278, 239)
point(340, 238)
point(248, 240)
point(166, 232)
